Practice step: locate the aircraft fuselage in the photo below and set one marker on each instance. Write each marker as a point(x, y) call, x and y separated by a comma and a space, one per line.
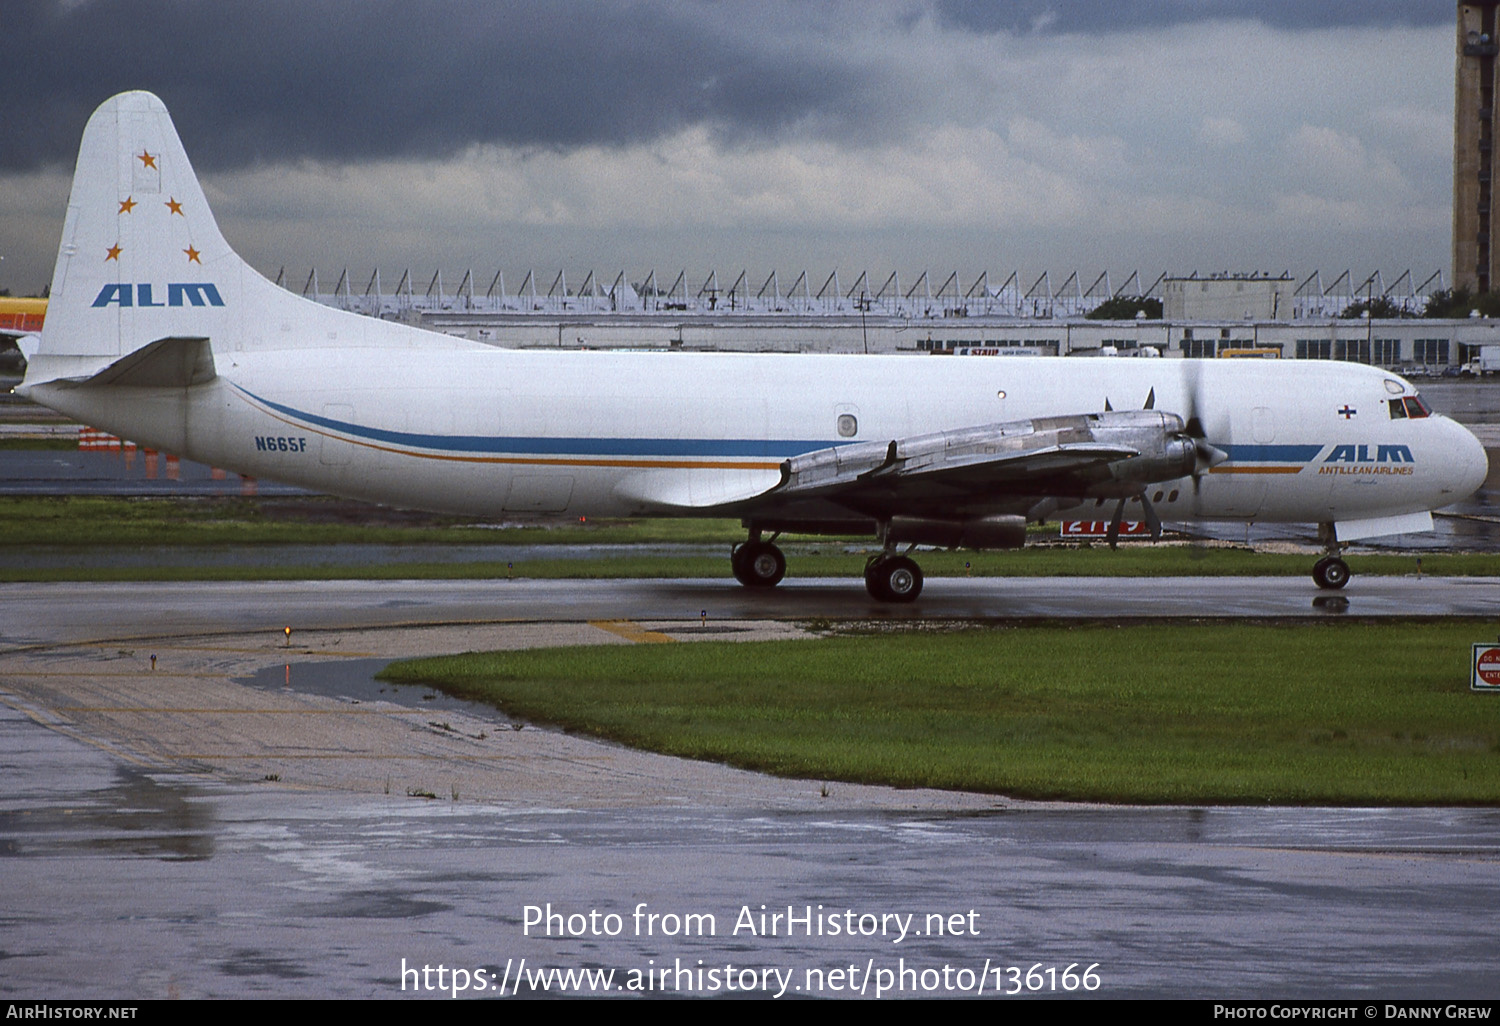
point(484, 431)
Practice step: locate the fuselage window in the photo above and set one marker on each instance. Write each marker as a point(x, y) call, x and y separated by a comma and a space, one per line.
point(848, 426)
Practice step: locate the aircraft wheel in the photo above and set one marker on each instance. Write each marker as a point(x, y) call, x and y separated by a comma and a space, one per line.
point(1331, 572)
point(893, 579)
point(758, 564)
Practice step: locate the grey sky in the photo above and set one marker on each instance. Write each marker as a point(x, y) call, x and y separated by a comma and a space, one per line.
point(1168, 134)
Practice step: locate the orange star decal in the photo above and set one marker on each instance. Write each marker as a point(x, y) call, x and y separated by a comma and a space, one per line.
point(113, 253)
point(147, 159)
point(174, 206)
point(192, 255)
point(127, 204)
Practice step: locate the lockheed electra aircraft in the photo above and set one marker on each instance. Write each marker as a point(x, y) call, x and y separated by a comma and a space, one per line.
point(158, 332)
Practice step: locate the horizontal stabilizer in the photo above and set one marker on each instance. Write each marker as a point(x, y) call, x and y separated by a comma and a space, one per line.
point(165, 363)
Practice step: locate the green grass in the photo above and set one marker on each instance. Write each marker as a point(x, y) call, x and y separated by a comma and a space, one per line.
point(1343, 714)
point(107, 521)
point(51, 444)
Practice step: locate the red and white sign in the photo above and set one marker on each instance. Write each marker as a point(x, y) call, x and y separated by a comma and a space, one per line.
point(1100, 529)
point(1486, 668)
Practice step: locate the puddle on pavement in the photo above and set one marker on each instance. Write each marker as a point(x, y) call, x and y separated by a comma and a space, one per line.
point(354, 680)
point(139, 816)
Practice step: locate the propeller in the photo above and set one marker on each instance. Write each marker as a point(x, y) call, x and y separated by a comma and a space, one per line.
point(1206, 457)
point(1153, 522)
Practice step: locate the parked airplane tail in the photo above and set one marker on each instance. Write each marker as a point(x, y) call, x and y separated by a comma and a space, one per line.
point(143, 267)
point(139, 243)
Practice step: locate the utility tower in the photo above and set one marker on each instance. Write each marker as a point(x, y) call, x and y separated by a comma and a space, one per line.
point(1473, 145)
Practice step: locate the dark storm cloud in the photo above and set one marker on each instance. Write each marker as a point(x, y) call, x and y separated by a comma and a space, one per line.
point(1086, 16)
point(266, 81)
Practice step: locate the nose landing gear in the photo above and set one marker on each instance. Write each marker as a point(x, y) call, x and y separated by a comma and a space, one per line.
point(1330, 572)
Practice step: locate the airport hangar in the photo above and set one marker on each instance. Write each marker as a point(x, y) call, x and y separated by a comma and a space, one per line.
point(1256, 315)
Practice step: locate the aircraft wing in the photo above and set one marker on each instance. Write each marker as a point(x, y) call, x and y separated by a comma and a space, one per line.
point(996, 466)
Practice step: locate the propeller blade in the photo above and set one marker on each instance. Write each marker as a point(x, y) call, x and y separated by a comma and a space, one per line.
point(1150, 399)
point(1191, 371)
point(1206, 456)
point(1113, 534)
point(1152, 520)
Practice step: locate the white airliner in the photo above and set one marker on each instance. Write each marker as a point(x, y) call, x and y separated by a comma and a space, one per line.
point(157, 331)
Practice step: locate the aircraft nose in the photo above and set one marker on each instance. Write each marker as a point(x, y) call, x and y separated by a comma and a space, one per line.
point(1470, 464)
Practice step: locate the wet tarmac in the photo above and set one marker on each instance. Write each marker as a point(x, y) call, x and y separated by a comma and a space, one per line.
point(204, 875)
point(45, 613)
point(1468, 402)
point(129, 883)
point(32, 557)
point(74, 472)
point(128, 875)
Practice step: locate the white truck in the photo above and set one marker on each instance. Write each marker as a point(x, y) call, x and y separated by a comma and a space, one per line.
point(1486, 360)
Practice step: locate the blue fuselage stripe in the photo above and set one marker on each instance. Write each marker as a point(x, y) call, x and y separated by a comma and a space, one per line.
point(745, 448)
point(762, 448)
point(1273, 453)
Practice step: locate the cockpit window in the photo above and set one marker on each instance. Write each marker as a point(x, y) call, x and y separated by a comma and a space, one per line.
point(1409, 406)
point(1415, 407)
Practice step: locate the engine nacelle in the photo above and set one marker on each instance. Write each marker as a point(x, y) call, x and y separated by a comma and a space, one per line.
point(1164, 451)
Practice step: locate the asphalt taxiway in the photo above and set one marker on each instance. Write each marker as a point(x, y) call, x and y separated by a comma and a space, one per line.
point(32, 613)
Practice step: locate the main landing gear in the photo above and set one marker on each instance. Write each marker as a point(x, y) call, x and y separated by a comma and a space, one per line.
point(893, 578)
point(757, 564)
point(889, 576)
point(1330, 572)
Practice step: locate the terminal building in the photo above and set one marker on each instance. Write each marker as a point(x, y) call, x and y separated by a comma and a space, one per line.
point(1200, 317)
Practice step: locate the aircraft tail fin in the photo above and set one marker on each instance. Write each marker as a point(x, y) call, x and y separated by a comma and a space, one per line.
point(142, 257)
